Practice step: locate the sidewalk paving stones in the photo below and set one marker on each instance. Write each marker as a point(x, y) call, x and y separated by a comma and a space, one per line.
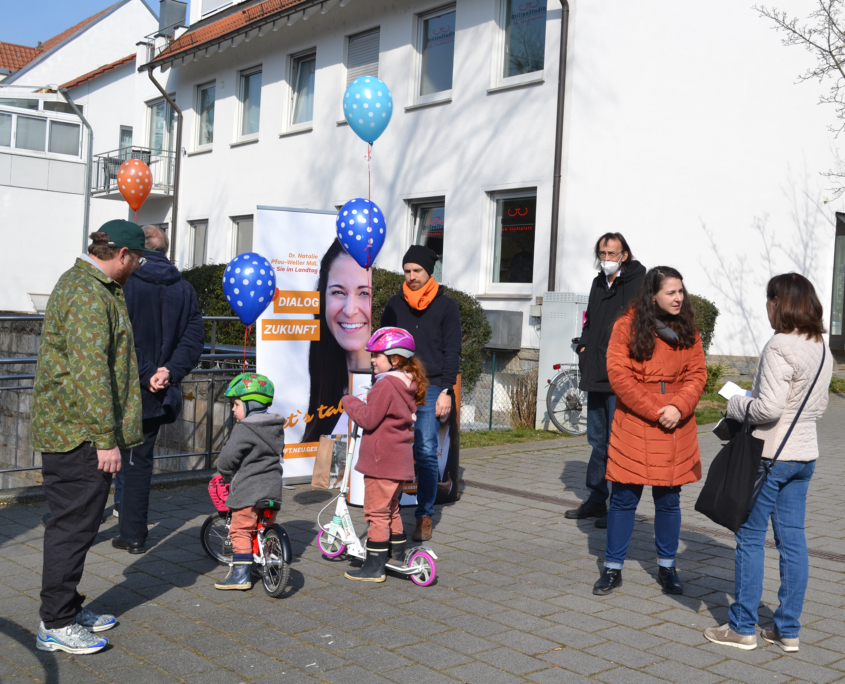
point(513, 600)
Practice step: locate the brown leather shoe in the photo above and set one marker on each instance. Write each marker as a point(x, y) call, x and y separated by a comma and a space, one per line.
point(423, 529)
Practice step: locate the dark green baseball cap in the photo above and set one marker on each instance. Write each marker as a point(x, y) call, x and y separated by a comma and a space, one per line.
point(124, 234)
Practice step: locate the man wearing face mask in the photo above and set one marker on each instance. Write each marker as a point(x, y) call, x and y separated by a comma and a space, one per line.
point(612, 291)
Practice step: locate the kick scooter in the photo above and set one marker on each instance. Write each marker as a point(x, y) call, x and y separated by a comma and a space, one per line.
point(339, 537)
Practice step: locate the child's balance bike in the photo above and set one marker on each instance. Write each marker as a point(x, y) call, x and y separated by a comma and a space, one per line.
point(339, 537)
point(271, 550)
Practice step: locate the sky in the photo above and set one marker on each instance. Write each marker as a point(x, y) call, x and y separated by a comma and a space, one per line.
point(25, 22)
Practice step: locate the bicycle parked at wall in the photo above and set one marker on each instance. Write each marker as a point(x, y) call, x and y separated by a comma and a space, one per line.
point(566, 404)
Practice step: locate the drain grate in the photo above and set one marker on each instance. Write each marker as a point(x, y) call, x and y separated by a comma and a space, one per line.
point(700, 529)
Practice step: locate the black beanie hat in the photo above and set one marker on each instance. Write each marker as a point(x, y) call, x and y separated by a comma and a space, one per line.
point(422, 256)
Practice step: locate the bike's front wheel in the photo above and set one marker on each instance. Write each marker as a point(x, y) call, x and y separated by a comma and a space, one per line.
point(567, 404)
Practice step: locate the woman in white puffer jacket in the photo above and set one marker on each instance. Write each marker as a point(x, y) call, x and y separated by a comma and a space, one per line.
point(786, 370)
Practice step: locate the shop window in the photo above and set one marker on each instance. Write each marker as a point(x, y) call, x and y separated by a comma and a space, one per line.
point(525, 36)
point(429, 227)
point(437, 52)
point(513, 253)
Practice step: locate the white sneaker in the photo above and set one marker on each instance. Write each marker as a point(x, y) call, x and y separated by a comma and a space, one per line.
point(93, 622)
point(71, 639)
point(116, 510)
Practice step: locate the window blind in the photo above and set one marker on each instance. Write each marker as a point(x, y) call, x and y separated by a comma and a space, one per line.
point(362, 58)
point(209, 6)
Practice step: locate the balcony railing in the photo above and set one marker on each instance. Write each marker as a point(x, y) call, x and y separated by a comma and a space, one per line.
point(106, 165)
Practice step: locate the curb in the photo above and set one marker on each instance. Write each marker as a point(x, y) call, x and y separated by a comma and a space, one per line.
point(27, 495)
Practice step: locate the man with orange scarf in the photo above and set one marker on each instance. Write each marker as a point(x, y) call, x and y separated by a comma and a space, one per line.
point(424, 310)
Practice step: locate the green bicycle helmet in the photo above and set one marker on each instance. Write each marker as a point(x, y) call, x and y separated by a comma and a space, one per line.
point(251, 387)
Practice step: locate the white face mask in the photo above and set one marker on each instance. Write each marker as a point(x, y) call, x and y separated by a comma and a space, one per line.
point(610, 267)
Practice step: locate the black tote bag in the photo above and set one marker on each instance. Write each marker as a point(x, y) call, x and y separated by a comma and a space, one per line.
point(738, 472)
point(727, 491)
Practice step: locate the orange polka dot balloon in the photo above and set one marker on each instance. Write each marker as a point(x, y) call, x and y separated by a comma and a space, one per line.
point(135, 181)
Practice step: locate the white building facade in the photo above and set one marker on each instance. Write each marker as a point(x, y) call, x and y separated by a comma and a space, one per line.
point(694, 142)
point(43, 145)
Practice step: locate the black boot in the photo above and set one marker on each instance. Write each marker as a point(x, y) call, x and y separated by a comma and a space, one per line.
point(609, 580)
point(373, 568)
point(397, 550)
point(588, 509)
point(601, 523)
point(668, 578)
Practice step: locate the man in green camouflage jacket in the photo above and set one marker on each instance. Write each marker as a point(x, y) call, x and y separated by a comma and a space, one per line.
point(86, 407)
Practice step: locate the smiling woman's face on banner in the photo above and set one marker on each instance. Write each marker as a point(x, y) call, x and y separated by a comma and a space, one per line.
point(348, 304)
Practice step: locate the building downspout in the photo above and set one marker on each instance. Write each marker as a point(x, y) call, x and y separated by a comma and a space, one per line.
point(87, 207)
point(561, 96)
point(176, 166)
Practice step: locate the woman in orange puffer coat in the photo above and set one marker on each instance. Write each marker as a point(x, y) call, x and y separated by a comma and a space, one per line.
point(656, 367)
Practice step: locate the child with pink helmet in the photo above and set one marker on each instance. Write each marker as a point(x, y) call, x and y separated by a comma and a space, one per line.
point(386, 456)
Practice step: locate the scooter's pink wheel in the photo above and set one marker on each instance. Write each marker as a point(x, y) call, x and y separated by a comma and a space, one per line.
point(330, 549)
point(425, 569)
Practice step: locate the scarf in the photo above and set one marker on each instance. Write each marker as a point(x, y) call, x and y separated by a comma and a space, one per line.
point(420, 299)
point(665, 333)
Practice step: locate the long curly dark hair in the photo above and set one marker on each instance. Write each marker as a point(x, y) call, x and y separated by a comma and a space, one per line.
point(646, 311)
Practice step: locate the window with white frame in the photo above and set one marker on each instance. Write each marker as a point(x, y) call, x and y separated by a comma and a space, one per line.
point(513, 237)
point(199, 243)
point(250, 101)
point(303, 77)
point(125, 138)
point(242, 241)
point(5, 130)
point(161, 122)
point(362, 55)
point(436, 46)
point(429, 225)
point(205, 114)
point(35, 134)
point(524, 23)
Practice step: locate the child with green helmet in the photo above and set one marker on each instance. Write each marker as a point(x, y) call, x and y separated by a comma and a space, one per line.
point(251, 461)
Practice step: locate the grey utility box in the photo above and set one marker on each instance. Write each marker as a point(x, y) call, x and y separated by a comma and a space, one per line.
point(562, 320)
point(507, 330)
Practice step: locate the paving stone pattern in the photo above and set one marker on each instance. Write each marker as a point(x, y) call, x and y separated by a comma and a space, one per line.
point(512, 603)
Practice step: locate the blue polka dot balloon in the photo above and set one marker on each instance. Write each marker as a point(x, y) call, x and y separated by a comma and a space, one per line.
point(368, 106)
point(249, 283)
point(361, 230)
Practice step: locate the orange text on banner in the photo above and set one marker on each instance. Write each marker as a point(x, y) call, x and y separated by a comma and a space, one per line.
point(283, 329)
point(297, 302)
point(302, 450)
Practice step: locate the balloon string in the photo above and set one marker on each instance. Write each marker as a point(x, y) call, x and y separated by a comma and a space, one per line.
point(247, 330)
point(369, 207)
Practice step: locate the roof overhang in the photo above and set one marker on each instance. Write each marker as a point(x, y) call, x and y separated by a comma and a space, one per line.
point(259, 22)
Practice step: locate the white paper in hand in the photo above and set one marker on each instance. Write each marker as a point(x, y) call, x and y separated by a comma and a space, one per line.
point(731, 389)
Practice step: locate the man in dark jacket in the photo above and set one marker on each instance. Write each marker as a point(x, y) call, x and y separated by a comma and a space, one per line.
point(169, 338)
point(612, 291)
point(424, 310)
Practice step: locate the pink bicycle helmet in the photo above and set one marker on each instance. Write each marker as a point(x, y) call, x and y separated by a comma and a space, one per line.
point(392, 341)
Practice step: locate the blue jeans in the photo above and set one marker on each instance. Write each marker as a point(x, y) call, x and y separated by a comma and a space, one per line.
point(600, 407)
point(425, 453)
point(620, 523)
point(784, 499)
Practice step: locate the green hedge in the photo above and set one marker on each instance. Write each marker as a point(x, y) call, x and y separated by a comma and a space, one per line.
point(706, 314)
point(208, 282)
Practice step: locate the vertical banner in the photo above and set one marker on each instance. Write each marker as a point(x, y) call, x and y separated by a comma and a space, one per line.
point(315, 331)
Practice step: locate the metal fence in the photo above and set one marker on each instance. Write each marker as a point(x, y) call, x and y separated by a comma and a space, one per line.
point(190, 443)
point(500, 401)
